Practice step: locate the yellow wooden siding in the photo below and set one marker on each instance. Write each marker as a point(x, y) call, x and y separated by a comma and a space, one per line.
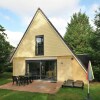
point(18, 66)
point(64, 68)
point(53, 44)
point(68, 68)
point(78, 72)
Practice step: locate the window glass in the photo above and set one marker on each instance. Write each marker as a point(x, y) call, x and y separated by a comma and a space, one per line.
point(40, 45)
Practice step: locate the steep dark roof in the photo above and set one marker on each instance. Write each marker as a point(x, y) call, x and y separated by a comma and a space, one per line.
point(84, 58)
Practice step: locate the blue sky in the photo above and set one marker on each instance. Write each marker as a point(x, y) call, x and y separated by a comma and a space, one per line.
point(15, 15)
point(10, 20)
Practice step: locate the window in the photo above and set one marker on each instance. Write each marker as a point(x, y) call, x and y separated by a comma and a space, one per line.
point(39, 45)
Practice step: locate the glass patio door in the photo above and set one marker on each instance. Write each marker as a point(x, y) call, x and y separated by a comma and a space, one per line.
point(42, 69)
point(33, 68)
point(48, 70)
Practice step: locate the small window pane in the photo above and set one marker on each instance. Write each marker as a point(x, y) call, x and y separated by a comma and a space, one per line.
point(39, 45)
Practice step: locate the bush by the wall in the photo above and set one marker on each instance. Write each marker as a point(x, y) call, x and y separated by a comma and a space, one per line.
point(8, 69)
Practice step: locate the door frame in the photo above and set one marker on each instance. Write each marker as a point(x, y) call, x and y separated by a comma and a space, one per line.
point(27, 61)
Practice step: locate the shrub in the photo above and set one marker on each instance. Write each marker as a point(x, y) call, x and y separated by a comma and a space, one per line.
point(8, 69)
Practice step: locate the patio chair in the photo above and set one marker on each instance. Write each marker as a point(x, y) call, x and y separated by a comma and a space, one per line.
point(22, 80)
point(28, 79)
point(15, 79)
point(68, 83)
point(79, 84)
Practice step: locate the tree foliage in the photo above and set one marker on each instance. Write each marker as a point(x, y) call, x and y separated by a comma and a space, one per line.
point(95, 45)
point(83, 39)
point(5, 49)
point(78, 33)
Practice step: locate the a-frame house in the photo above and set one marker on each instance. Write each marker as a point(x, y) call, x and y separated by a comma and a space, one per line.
point(43, 53)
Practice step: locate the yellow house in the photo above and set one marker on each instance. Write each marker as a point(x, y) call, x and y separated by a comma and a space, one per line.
point(43, 53)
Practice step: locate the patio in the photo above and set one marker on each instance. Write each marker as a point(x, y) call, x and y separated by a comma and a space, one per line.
point(39, 86)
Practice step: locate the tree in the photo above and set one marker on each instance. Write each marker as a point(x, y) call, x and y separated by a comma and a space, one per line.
point(95, 45)
point(5, 49)
point(78, 33)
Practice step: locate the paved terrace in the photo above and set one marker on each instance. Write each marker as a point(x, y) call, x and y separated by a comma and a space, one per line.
point(36, 86)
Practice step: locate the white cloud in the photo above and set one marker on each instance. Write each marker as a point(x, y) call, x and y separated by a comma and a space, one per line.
point(91, 13)
point(60, 24)
point(94, 7)
point(55, 6)
point(58, 11)
point(24, 7)
point(52, 8)
point(14, 37)
point(21, 7)
point(6, 17)
point(26, 20)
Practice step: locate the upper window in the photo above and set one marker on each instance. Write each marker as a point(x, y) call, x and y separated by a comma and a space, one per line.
point(39, 45)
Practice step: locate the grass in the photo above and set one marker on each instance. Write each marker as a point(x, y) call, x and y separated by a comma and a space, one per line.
point(5, 78)
point(62, 94)
point(16, 95)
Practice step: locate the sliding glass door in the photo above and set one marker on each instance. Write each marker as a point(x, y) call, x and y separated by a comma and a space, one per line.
point(42, 69)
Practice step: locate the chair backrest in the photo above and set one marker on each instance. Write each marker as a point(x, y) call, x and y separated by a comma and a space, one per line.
point(21, 78)
point(15, 78)
point(79, 81)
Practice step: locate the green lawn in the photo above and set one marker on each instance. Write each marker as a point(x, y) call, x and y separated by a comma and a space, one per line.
point(63, 93)
point(5, 78)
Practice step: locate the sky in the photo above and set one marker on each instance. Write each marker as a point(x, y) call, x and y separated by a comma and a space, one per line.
point(15, 15)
